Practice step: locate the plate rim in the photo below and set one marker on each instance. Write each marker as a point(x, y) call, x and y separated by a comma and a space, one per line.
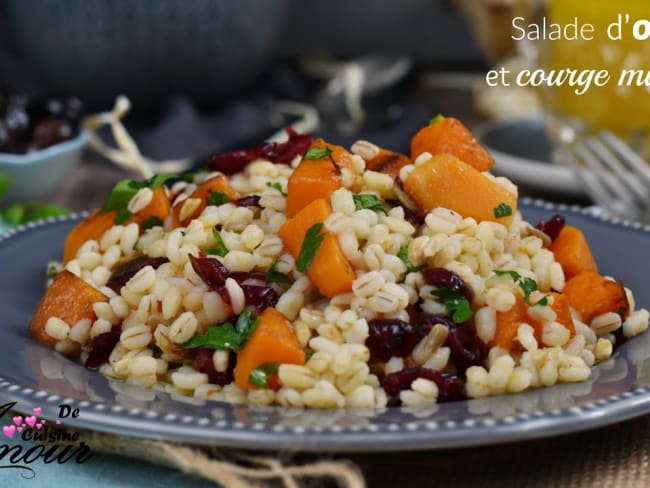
point(136, 422)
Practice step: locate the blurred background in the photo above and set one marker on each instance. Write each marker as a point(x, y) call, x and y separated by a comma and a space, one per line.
point(213, 75)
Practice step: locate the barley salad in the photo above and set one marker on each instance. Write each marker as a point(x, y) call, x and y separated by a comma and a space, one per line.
point(306, 275)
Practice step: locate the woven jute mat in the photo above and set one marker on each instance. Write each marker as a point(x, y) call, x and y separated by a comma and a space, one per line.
point(612, 457)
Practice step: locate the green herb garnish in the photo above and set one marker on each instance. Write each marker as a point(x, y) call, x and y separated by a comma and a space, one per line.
point(436, 119)
point(260, 375)
point(527, 285)
point(403, 254)
point(51, 272)
point(226, 336)
point(276, 186)
point(543, 301)
point(245, 326)
point(151, 221)
point(274, 276)
point(216, 198)
point(220, 337)
point(316, 153)
point(21, 213)
point(371, 202)
point(503, 210)
point(310, 246)
point(221, 249)
point(455, 303)
point(124, 190)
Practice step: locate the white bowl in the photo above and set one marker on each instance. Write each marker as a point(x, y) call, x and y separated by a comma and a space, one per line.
point(34, 175)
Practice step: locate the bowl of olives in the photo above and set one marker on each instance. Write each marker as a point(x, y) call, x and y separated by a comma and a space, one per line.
point(41, 140)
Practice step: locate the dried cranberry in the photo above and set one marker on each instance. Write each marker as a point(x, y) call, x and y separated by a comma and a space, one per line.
point(391, 337)
point(260, 297)
point(249, 201)
point(443, 278)
point(248, 278)
point(203, 363)
point(465, 348)
point(51, 130)
point(234, 161)
point(552, 227)
point(210, 270)
point(450, 387)
point(125, 272)
point(101, 347)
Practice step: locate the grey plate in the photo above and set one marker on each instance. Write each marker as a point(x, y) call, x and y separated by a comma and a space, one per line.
point(35, 376)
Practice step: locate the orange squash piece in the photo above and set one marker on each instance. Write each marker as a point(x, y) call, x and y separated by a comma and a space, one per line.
point(330, 270)
point(505, 334)
point(94, 227)
point(572, 251)
point(591, 294)
point(314, 179)
point(446, 181)
point(388, 162)
point(69, 298)
point(90, 229)
point(446, 135)
point(274, 341)
point(217, 184)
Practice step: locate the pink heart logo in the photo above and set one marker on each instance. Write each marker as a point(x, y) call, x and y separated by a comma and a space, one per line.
point(18, 420)
point(39, 425)
point(58, 421)
point(20, 429)
point(31, 421)
point(37, 411)
point(9, 430)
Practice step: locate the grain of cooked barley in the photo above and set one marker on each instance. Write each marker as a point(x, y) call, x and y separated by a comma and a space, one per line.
point(486, 322)
point(288, 397)
point(183, 328)
point(323, 395)
point(80, 332)
point(576, 345)
point(437, 224)
point(263, 396)
point(296, 376)
point(636, 323)
point(74, 267)
point(354, 376)
point(363, 396)
point(385, 302)
point(208, 391)
point(603, 349)
point(426, 388)
point(136, 337)
point(499, 299)
point(585, 331)
point(439, 360)
point(429, 344)
point(478, 382)
point(588, 357)
point(103, 310)
point(142, 366)
point(548, 372)
point(605, 323)
point(381, 183)
point(519, 380)
point(239, 261)
point(236, 294)
point(342, 202)
point(330, 332)
point(171, 302)
point(274, 201)
point(57, 328)
point(555, 334)
point(541, 313)
point(341, 361)
point(526, 337)
point(500, 372)
point(188, 380)
point(100, 326)
point(393, 365)
point(319, 361)
point(325, 345)
point(573, 369)
point(494, 353)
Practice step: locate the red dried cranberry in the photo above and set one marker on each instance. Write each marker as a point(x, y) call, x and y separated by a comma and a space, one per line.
point(51, 130)
point(249, 201)
point(203, 363)
point(260, 297)
point(101, 347)
point(210, 270)
point(450, 387)
point(552, 227)
point(391, 337)
point(443, 278)
point(124, 273)
point(234, 161)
